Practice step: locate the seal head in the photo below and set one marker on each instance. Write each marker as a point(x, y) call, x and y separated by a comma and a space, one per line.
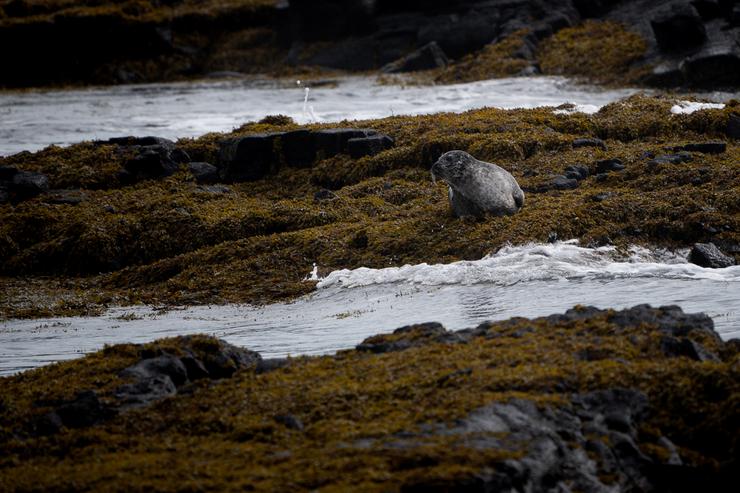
point(477, 187)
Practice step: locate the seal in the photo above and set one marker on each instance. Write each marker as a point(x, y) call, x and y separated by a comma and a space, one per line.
point(477, 187)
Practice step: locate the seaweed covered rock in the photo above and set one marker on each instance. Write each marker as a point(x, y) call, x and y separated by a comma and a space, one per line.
point(509, 405)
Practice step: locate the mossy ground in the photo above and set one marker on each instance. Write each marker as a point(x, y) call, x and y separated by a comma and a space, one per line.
point(172, 242)
point(355, 408)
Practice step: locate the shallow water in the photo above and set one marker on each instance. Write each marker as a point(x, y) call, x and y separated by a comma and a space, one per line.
point(348, 306)
point(33, 120)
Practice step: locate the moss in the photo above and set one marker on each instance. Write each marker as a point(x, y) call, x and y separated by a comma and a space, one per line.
point(597, 51)
point(356, 408)
point(171, 242)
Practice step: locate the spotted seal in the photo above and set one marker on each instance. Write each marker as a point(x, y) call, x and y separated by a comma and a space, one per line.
point(477, 187)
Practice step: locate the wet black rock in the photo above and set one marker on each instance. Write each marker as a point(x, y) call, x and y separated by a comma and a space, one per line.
point(704, 147)
point(563, 183)
point(600, 197)
point(708, 255)
point(577, 172)
point(678, 158)
point(85, 410)
point(684, 347)
point(714, 66)
point(131, 141)
point(271, 364)
point(204, 172)
point(589, 142)
point(678, 27)
point(4, 195)
point(429, 56)
point(298, 148)
point(151, 158)
point(333, 141)
point(733, 126)
point(26, 184)
point(248, 158)
point(7, 173)
point(608, 165)
point(324, 195)
point(404, 338)
point(368, 146)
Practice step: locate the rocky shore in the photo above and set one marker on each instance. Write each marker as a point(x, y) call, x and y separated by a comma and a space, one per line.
point(668, 43)
point(243, 217)
point(644, 399)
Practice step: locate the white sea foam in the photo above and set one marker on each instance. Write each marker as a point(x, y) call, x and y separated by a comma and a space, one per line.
point(688, 107)
point(588, 109)
point(537, 262)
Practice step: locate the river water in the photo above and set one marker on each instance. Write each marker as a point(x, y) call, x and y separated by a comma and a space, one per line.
point(35, 119)
point(350, 305)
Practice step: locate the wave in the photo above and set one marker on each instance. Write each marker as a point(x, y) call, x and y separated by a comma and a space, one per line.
point(538, 262)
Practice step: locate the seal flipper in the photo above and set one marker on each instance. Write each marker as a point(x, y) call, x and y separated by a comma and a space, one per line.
point(461, 206)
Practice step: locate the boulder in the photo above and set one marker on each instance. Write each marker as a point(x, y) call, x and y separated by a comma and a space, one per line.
point(562, 183)
point(333, 141)
point(679, 27)
point(204, 172)
point(460, 34)
point(589, 142)
point(708, 255)
point(577, 172)
point(714, 67)
point(681, 157)
point(707, 9)
point(704, 147)
point(298, 148)
point(368, 146)
point(608, 165)
point(27, 184)
point(248, 158)
point(429, 56)
point(7, 173)
point(733, 126)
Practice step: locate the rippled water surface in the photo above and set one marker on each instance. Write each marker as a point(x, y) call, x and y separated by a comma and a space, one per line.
point(348, 305)
point(33, 120)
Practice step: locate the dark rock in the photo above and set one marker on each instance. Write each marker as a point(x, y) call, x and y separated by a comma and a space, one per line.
point(684, 347)
point(204, 172)
point(248, 158)
point(552, 237)
point(577, 171)
point(368, 146)
point(681, 157)
point(714, 67)
point(65, 197)
point(4, 195)
point(298, 148)
point(403, 338)
point(85, 410)
point(460, 34)
point(228, 359)
point(27, 184)
point(563, 183)
point(324, 195)
point(130, 141)
point(708, 255)
point(289, 421)
point(679, 27)
point(429, 56)
point(47, 424)
point(7, 173)
point(194, 368)
point(333, 141)
point(145, 391)
point(670, 320)
point(707, 9)
point(589, 142)
point(733, 126)
point(608, 165)
point(165, 364)
point(156, 160)
point(704, 147)
point(666, 74)
point(600, 197)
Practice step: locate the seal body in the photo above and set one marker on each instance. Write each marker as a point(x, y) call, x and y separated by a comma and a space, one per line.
point(477, 187)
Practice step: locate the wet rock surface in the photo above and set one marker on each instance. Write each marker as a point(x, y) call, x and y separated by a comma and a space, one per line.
point(708, 255)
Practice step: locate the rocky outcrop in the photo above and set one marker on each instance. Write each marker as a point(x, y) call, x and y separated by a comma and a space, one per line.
point(255, 156)
point(589, 400)
point(18, 185)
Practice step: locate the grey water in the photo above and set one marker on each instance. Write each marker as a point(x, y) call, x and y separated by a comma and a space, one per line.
point(350, 305)
point(32, 120)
